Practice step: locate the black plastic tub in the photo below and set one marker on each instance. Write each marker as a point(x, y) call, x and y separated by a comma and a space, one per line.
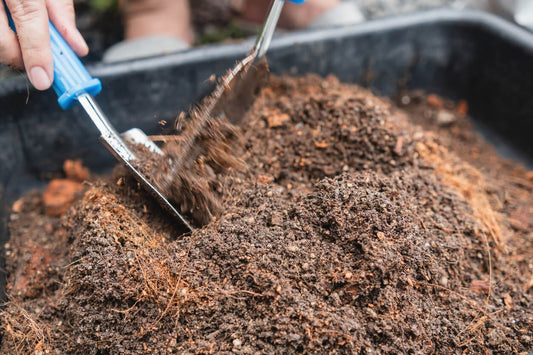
point(460, 55)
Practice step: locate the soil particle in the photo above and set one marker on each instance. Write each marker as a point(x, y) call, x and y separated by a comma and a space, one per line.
point(75, 171)
point(59, 196)
point(353, 230)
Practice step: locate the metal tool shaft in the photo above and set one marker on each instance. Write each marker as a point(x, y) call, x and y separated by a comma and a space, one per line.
point(269, 27)
point(109, 135)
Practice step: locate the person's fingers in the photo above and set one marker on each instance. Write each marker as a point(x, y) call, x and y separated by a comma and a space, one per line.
point(31, 20)
point(61, 14)
point(10, 53)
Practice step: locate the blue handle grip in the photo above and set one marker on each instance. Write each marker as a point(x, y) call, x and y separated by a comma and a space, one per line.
point(71, 78)
point(297, 1)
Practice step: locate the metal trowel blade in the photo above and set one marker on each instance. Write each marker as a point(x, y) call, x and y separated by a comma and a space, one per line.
point(114, 143)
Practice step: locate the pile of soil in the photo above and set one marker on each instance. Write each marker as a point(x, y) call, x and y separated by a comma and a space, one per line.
point(358, 227)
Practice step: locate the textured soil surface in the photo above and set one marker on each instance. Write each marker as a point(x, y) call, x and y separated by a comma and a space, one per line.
point(358, 226)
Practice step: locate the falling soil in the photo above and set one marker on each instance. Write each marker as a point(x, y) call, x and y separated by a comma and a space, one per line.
point(203, 143)
point(357, 227)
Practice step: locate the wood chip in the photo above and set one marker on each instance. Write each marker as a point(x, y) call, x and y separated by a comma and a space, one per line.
point(321, 145)
point(462, 108)
point(480, 286)
point(74, 170)
point(508, 300)
point(17, 206)
point(435, 101)
point(278, 120)
point(398, 148)
point(265, 179)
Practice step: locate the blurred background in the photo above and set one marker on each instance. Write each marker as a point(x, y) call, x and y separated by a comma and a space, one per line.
point(216, 21)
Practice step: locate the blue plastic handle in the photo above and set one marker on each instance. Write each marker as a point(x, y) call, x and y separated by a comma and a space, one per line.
point(297, 1)
point(71, 78)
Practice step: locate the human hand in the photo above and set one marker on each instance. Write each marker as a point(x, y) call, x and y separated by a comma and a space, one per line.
point(30, 47)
